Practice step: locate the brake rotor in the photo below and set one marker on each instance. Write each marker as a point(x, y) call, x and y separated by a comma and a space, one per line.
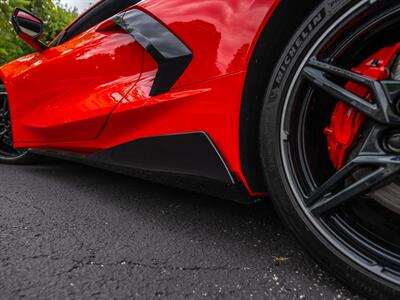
point(346, 122)
point(389, 195)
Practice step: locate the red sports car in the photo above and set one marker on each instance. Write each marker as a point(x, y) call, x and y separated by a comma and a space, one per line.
point(296, 100)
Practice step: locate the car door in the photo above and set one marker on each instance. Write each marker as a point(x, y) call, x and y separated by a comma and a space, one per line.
point(66, 92)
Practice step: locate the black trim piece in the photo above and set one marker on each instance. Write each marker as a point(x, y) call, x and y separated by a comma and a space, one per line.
point(232, 192)
point(171, 55)
point(188, 161)
point(189, 154)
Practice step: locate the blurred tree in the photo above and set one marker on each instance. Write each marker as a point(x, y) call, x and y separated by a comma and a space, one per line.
point(55, 17)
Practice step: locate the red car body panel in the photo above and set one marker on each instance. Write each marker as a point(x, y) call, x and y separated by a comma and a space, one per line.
point(72, 87)
point(92, 92)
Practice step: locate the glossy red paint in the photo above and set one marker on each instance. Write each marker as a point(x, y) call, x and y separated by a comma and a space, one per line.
point(91, 93)
point(72, 87)
point(217, 31)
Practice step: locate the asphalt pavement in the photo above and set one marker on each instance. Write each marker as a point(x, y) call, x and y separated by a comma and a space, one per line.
point(76, 232)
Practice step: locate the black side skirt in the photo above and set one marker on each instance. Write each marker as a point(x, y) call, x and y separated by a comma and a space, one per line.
point(189, 161)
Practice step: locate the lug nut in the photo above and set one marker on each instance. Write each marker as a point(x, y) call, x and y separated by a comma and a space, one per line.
point(392, 143)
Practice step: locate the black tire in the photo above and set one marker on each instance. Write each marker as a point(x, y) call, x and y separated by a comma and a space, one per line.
point(328, 21)
point(9, 155)
point(27, 158)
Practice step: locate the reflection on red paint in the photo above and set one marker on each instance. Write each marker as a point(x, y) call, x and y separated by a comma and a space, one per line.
point(91, 93)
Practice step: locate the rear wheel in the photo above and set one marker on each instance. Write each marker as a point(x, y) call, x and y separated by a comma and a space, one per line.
point(8, 154)
point(340, 198)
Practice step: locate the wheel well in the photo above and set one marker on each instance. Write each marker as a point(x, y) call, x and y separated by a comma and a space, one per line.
point(259, 72)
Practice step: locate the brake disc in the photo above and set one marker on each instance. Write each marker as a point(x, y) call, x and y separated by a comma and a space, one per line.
point(389, 195)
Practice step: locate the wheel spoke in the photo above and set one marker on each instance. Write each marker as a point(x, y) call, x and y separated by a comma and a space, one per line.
point(327, 197)
point(5, 106)
point(6, 139)
point(318, 72)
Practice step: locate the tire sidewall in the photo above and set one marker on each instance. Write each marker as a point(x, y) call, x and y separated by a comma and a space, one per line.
point(25, 158)
point(278, 185)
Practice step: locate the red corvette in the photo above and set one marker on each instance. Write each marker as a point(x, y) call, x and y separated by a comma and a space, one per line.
point(299, 100)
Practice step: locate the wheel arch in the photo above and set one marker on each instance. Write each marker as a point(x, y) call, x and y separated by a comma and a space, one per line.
point(259, 71)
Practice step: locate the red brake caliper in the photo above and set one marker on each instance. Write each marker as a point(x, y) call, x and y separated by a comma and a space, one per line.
point(345, 120)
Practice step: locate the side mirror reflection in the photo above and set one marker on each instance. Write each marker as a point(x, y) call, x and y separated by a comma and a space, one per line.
point(28, 27)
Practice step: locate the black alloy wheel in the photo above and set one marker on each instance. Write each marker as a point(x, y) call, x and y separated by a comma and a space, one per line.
point(8, 154)
point(349, 219)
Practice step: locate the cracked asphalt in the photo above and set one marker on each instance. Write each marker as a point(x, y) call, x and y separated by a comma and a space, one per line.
point(72, 231)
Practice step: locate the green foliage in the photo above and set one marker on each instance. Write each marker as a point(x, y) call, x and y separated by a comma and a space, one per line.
point(55, 17)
